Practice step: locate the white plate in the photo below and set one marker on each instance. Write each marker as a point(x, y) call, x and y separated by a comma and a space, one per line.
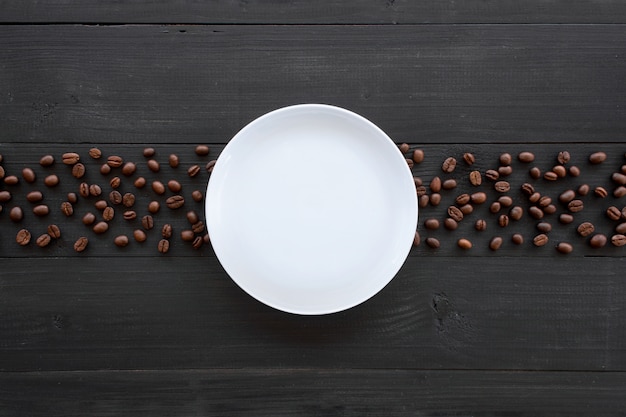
point(311, 209)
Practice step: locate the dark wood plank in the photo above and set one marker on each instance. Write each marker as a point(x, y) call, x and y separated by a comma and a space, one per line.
point(428, 84)
point(438, 313)
point(324, 12)
point(289, 392)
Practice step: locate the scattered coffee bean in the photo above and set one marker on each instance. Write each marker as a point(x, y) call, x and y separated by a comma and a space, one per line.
point(475, 178)
point(197, 242)
point(505, 171)
point(89, 219)
point(2, 172)
point(544, 227)
point(435, 185)
point(197, 196)
point(506, 159)
point(211, 164)
point(563, 157)
point(466, 209)
point(100, 205)
point(431, 223)
point(140, 182)
point(516, 213)
point(129, 168)
point(598, 241)
point(567, 196)
point(505, 201)
point(455, 213)
point(416, 239)
point(528, 189)
point(469, 158)
point(95, 190)
point(544, 201)
point(105, 169)
point(495, 207)
point(418, 181)
point(6, 196)
point(43, 240)
point(95, 153)
point(618, 240)
point(404, 148)
point(480, 225)
point(575, 206)
point(534, 173)
point(149, 152)
point(11, 180)
point(163, 246)
point(139, 235)
point(503, 220)
point(560, 171)
point(187, 235)
point(435, 199)
point(192, 217)
point(154, 207)
point(198, 227)
point(46, 161)
point(128, 200)
point(147, 222)
point(115, 197)
point(526, 157)
point(78, 170)
point(193, 170)
point(206, 238)
point(495, 243)
point(108, 214)
point(70, 158)
point(462, 199)
point(566, 218)
point(423, 200)
point(51, 180)
point(175, 202)
point(449, 164)
point(158, 187)
point(464, 243)
point(550, 176)
point(32, 197)
point(600, 192)
point(115, 182)
point(492, 174)
point(166, 231)
point(174, 186)
point(549, 209)
point(564, 247)
point(130, 215)
point(450, 224)
point(418, 157)
point(174, 161)
point(574, 171)
point(540, 240)
point(115, 161)
point(121, 241)
point(41, 210)
point(583, 190)
point(153, 165)
point(613, 213)
point(535, 212)
point(420, 190)
point(621, 228)
point(54, 231)
point(517, 239)
point(100, 227)
point(81, 244)
point(29, 175)
point(502, 186)
point(23, 237)
point(16, 214)
point(202, 150)
point(534, 197)
point(478, 198)
point(585, 229)
point(597, 157)
point(72, 198)
point(618, 178)
point(433, 242)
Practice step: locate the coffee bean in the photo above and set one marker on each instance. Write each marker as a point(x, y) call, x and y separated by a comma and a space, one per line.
point(404, 148)
point(560, 171)
point(211, 164)
point(23, 237)
point(597, 157)
point(29, 175)
point(433, 242)
point(51, 180)
point(129, 168)
point(154, 207)
point(6, 196)
point(564, 248)
point(187, 235)
point(618, 178)
point(431, 223)
point(16, 214)
point(197, 196)
point(72, 198)
point(575, 206)
point(192, 217)
point(153, 165)
point(100, 205)
point(147, 222)
point(174, 186)
point(67, 209)
point(566, 218)
point(534, 173)
point(115, 197)
point(600, 192)
point(618, 240)
point(166, 231)
point(46, 161)
point(100, 227)
point(540, 240)
point(503, 220)
point(534, 197)
point(435, 199)
point(416, 239)
point(613, 213)
point(621, 228)
point(475, 178)
point(174, 161)
point(535, 212)
point(2, 172)
point(423, 200)
point(598, 241)
point(105, 169)
point(544, 201)
point(193, 170)
point(505, 159)
point(202, 150)
point(81, 244)
point(70, 158)
point(95, 190)
point(466, 209)
point(139, 235)
point(418, 157)
point(567, 196)
point(550, 176)
point(140, 182)
point(585, 229)
point(469, 158)
point(480, 225)
point(207, 239)
point(528, 189)
point(43, 240)
point(502, 186)
point(450, 224)
point(95, 153)
point(41, 210)
point(435, 185)
point(54, 231)
point(175, 202)
point(505, 171)
point(89, 218)
point(197, 242)
point(115, 161)
point(574, 171)
point(198, 227)
point(130, 215)
point(163, 246)
point(583, 190)
point(108, 213)
point(549, 209)
point(115, 182)
point(544, 227)
point(128, 199)
point(158, 187)
point(526, 157)
point(517, 239)
point(492, 174)
point(11, 180)
point(420, 190)
point(563, 157)
point(478, 198)
point(149, 152)
point(505, 201)
point(462, 199)
point(121, 241)
point(78, 170)
point(464, 243)
point(448, 165)
point(516, 213)
point(495, 243)
point(455, 213)
point(495, 207)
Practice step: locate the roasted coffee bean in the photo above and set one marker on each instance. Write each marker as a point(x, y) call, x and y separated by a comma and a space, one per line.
point(598, 241)
point(211, 164)
point(404, 148)
point(130, 215)
point(516, 213)
point(526, 157)
point(423, 200)
point(540, 240)
point(166, 231)
point(433, 242)
point(43, 240)
point(450, 224)
point(175, 202)
point(115, 197)
point(567, 196)
point(187, 235)
point(81, 244)
point(560, 171)
point(475, 178)
point(121, 241)
point(51, 180)
point(100, 205)
point(197, 196)
point(478, 198)
point(503, 220)
point(202, 150)
point(534, 197)
point(621, 228)
point(158, 187)
point(575, 206)
point(46, 161)
point(466, 209)
point(115, 161)
point(449, 184)
point(115, 182)
point(505, 171)
point(197, 242)
point(29, 175)
point(139, 235)
point(140, 182)
point(418, 181)
point(54, 231)
point(431, 223)
point(435, 199)
point(455, 213)
point(549, 209)
point(105, 169)
point(11, 180)
point(128, 199)
point(564, 247)
point(544, 227)
point(207, 239)
point(6, 196)
point(153, 165)
point(418, 157)
point(2, 172)
point(154, 207)
point(70, 158)
point(149, 152)
point(574, 171)
point(193, 170)
point(416, 239)
point(173, 160)
point(435, 185)
point(67, 209)
point(100, 227)
point(448, 165)
point(550, 176)
point(618, 178)
point(95, 153)
point(495, 243)
point(597, 157)
point(600, 192)
point(505, 159)
point(41, 210)
point(163, 246)
point(492, 174)
point(16, 214)
point(78, 170)
point(420, 190)
point(534, 173)
point(566, 218)
point(535, 212)
point(505, 201)
point(95, 190)
point(89, 218)
point(528, 188)
point(502, 186)
point(174, 186)
point(517, 239)
point(563, 157)
point(583, 190)
point(23, 237)
point(544, 201)
point(147, 222)
point(613, 213)
point(469, 158)
point(495, 207)
point(464, 243)
point(108, 214)
point(462, 199)
point(480, 225)
point(618, 240)
point(192, 217)
point(585, 229)
point(72, 198)
point(129, 168)
point(198, 227)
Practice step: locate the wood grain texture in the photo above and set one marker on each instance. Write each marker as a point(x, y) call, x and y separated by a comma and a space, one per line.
point(438, 313)
point(319, 12)
point(302, 392)
point(421, 84)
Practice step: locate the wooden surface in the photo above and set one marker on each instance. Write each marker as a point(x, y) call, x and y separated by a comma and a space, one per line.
point(514, 332)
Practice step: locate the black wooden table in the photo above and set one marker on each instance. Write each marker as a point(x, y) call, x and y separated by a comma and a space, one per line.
point(519, 331)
